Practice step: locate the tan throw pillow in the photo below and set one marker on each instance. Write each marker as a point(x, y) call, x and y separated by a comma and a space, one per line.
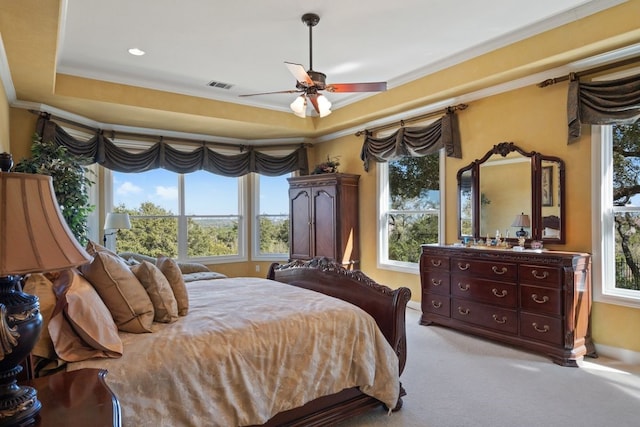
point(121, 291)
point(159, 290)
point(40, 286)
point(81, 326)
point(172, 272)
point(93, 248)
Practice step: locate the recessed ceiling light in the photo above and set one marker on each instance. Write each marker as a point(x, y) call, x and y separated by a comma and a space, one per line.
point(137, 52)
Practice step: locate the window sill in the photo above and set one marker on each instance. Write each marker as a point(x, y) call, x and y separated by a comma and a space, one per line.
point(614, 299)
point(401, 267)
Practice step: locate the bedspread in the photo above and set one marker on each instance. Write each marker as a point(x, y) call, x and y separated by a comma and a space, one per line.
point(248, 349)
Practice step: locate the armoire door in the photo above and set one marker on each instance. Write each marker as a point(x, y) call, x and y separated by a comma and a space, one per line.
point(300, 223)
point(324, 225)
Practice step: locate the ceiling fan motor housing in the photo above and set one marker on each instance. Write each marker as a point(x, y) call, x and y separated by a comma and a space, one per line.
point(319, 80)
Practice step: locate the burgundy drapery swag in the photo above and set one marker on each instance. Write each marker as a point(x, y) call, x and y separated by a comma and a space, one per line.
point(602, 103)
point(414, 141)
point(105, 152)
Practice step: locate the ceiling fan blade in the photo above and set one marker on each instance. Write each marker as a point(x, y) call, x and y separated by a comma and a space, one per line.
point(357, 87)
point(299, 73)
point(271, 93)
point(313, 97)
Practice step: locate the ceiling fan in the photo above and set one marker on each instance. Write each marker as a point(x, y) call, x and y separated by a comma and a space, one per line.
point(309, 83)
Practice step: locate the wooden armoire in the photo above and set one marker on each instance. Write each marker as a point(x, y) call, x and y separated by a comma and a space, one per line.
point(323, 217)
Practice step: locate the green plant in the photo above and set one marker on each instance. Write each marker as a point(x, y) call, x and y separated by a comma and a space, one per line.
point(70, 181)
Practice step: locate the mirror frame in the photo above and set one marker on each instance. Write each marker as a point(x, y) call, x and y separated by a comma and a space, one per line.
point(537, 227)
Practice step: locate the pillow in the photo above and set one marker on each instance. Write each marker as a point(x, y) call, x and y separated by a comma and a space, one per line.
point(172, 272)
point(204, 275)
point(192, 267)
point(37, 284)
point(93, 248)
point(551, 232)
point(81, 326)
point(159, 290)
point(121, 292)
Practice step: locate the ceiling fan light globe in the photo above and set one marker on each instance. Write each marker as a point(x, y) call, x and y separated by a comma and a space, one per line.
point(299, 106)
point(324, 106)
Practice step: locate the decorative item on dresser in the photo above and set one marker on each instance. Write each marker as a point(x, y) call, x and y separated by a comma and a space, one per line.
point(324, 217)
point(537, 300)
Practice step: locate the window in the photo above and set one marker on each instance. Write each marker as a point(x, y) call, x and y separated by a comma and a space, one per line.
point(616, 173)
point(409, 209)
point(196, 216)
point(271, 219)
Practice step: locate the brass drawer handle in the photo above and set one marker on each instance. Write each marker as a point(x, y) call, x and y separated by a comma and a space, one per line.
point(464, 267)
point(542, 330)
point(501, 271)
point(544, 275)
point(436, 262)
point(502, 294)
point(464, 312)
point(502, 320)
point(464, 287)
point(436, 304)
point(544, 299)
point(435, 282)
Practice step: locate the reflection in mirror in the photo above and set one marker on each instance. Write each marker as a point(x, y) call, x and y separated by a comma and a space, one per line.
point(550, 199)
point(505, 191)
point(466, 204)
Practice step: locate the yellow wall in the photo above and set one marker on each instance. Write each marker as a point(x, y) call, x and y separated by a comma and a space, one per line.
point(5, 144)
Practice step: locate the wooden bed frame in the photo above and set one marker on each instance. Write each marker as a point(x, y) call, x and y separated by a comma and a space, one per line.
point(385, 305)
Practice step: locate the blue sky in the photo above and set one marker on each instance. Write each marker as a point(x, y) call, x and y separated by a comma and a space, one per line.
point(206, 193)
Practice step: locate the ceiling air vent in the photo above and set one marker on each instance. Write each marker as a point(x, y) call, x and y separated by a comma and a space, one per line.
point(219, 85)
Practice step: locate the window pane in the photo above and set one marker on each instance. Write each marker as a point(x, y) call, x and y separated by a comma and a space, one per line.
point(150, 236)
point(626, 196)
point(273, 218)
point(414, 183)
point(157, 188)
point(209, 194)
point(407, 232)
point(209, 236)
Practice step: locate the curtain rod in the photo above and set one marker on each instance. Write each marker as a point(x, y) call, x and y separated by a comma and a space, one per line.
point(159, 138)
point(401, 123)
point(594, 70)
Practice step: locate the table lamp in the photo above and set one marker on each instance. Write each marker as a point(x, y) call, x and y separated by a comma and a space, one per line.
point(522, 221)
point(115, 221)
point(34, 238)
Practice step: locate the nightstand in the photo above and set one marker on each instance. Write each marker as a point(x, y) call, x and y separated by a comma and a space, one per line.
point(75, 399)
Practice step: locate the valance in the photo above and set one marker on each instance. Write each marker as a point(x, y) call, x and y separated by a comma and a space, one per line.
point(602, 103)
point(105, 152)
point(414, 141)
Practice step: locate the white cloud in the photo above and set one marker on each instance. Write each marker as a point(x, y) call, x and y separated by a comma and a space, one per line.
point(128, 188)
point(167, 193)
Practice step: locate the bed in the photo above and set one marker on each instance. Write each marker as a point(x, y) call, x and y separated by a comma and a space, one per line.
point(311, 344)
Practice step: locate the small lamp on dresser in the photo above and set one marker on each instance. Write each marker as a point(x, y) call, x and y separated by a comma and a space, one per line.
point(34, 238)
point(521, 221)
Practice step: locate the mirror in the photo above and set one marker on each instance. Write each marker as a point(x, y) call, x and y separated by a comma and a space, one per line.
point(506, 182)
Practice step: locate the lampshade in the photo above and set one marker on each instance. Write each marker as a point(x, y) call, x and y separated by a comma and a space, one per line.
point(521, 220)
point(34, 236)
point(117, 221)
point(299, 106)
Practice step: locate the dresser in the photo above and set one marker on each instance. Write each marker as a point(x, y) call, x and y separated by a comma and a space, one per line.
point(323, 219)
point(536, 300)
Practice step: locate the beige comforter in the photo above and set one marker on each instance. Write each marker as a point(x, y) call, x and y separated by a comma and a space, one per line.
point(248, 349)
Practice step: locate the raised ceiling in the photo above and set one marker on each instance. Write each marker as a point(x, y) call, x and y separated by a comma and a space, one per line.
point(73, 55)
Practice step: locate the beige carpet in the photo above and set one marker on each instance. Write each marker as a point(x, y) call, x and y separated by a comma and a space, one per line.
point(457, 380)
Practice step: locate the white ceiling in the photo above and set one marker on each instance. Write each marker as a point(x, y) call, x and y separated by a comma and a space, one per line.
point(189, 43)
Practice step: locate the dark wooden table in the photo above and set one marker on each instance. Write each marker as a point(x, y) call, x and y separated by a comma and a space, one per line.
point(76, 399)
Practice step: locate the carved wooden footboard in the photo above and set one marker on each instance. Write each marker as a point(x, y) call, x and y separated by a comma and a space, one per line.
point(385, 305)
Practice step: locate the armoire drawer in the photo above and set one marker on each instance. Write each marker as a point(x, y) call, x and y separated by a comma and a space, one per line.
point(436, 304)
point(484, 315)
point(483, 290)
point(435, 281)
point(542, 328)
point(541, 300)
point(488, 269)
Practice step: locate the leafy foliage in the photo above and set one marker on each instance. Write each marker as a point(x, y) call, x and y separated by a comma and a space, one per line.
point(70, 178)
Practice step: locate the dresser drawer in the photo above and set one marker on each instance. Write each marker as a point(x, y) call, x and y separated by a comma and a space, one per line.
point(488, 269)
point(541, 328)
point(541, 300)
point(435, 281)
point(487, 316)
point(436, 304)
point(540, 275)
point(430, 262)
point(489, 291)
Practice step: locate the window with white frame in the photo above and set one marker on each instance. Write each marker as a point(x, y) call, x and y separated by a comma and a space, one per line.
point(271, 218)
point(616, 235)
point(409, 196)
point(196, 216)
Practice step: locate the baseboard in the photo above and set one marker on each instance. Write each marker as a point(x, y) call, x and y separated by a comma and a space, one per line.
point(622, 354)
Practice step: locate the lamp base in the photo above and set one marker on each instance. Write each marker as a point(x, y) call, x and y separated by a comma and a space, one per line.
point(522, 232)
point(20, 327)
